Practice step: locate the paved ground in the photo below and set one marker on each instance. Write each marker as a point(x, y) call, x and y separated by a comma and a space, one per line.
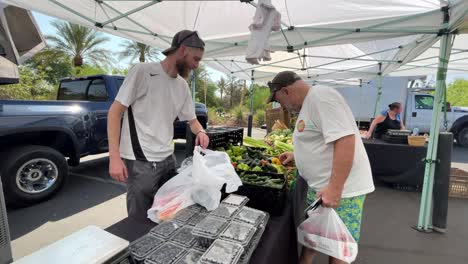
point(92, 198)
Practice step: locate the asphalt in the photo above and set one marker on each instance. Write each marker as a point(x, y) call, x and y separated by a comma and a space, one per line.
point(91, 197)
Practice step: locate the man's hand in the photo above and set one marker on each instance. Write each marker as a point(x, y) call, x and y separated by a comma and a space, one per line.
point(117, 169)
point(331, 196)
point(286, 157)
point(202, 140)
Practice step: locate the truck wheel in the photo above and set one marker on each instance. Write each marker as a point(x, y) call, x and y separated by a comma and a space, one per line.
point(462, 137)
point(32, 174)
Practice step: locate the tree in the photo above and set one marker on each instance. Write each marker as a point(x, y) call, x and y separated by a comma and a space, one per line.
point(202, 77)
point(32, 86)
point(133, 50)
point(234, 87)
point(457, 93)
point(54, 63)
point(80, 43)
point(222, 87)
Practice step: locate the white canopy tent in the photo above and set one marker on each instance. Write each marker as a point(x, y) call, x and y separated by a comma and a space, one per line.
point(322, 41)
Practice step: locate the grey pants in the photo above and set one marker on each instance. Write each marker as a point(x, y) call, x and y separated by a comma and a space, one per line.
point(144, 180)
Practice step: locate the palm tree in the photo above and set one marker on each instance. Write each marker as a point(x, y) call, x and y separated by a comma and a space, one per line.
point(80, 43)
point(133, 49)
point(222, 87)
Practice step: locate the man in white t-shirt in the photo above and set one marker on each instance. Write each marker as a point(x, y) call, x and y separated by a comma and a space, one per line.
point(150, 99)
point(328, 151)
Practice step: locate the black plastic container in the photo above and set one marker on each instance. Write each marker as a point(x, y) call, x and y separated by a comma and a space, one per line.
point(166, 254)
point(145, 245)
point(264, 198)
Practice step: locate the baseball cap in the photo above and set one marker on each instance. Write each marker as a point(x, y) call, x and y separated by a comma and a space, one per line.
point(185, 37)
point(281, 80)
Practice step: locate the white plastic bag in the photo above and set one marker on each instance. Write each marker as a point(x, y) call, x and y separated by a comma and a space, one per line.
point(173, 196)
point(211, 170)
point(324, 231)
point(200, 182)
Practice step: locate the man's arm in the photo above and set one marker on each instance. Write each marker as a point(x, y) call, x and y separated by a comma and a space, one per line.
point(343, 157)
point(197, 129)
point(117, 168)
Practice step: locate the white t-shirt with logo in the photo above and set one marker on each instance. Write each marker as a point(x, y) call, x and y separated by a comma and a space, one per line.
point(324, 118)
point(154, 100)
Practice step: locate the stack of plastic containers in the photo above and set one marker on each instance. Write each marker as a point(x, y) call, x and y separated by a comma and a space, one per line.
point(227, 235)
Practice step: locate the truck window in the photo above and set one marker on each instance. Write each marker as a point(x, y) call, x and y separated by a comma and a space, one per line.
point(424, 101)
point(97, 91)
point(73, 90)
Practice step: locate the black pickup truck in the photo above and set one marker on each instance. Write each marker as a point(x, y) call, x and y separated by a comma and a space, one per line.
point(39, 139)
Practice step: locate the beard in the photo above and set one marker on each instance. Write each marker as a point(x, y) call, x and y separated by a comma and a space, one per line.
point(182, 68)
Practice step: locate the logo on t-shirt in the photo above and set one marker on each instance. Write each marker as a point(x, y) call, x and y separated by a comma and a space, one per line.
point(300, 126)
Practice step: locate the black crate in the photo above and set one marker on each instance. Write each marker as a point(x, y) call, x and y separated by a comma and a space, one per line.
point(264, 198)
point(236, 136)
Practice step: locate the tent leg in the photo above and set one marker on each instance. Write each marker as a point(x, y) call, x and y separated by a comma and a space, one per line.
point(425, 211)
point(379, 91)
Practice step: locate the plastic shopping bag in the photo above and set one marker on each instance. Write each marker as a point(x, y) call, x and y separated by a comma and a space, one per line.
point(211, 170)
point(324, 231)
point(199, 182)
point(174, 195)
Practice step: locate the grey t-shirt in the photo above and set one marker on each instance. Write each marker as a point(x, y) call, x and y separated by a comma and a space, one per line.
point(154, 100)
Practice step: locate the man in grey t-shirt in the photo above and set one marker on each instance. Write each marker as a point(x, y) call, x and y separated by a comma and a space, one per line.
point(150, 99)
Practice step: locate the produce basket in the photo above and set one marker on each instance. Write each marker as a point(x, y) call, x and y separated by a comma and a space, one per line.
point(265, 198)
point(458, 185)
point(418, 141)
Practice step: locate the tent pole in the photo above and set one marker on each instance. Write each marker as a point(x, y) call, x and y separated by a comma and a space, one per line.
point(425, 211)
point(249, 126)
point(379, 90)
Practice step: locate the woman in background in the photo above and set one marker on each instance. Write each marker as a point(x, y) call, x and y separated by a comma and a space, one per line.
point(388, 119)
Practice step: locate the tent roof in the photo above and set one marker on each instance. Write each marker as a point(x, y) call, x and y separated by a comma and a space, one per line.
point(385, 34)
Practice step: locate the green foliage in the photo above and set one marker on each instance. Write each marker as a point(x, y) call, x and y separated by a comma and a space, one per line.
point(260, 96)
point(214, 116)
point(259, 117)
point(88, 70)
point(238, 113)
point(53, 63)
point(134, 50)
point(80, 43)
point(32, 86)
point(457, 93)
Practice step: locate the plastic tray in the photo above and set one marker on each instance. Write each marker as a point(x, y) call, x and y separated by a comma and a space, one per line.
point(239, 232)
point(225, 211)
point(144, 246)
point(184, 237)
point(166, 254)
point(166, 229)
point(192, 257)
point(251, 216)
point(197, 208)
point(236, 200)
point(210, 227)
point(184, 215)
point(196, 218)
point(222, 252)
point(249, 250)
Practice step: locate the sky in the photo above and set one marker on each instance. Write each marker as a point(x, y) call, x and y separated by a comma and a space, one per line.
point(115, 42)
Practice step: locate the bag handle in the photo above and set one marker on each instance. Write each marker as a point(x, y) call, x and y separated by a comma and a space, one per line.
point(314, 205)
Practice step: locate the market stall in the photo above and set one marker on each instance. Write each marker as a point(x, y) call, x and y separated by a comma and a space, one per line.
point(399, 165)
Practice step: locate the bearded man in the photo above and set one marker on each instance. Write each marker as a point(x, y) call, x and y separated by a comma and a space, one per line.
point(150, 99)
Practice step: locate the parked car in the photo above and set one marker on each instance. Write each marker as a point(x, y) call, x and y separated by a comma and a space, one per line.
point(40, 139)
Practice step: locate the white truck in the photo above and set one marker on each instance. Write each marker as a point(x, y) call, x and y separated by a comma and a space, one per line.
point(417, 103)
